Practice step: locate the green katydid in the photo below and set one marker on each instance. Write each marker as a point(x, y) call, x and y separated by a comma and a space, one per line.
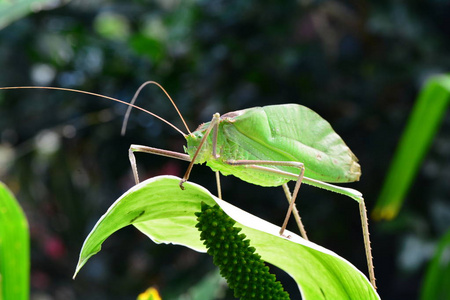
point(270, 146)
point(266, 146)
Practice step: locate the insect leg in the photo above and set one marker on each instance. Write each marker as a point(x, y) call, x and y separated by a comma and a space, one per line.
point(254, 164)
point(298, 220)
point(216, 156)
point(366, 235)
point(219, 189)
point(151, 150)
point(214, 141)
point(214, 123)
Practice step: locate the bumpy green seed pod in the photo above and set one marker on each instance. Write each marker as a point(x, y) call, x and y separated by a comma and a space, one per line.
point(243, 269)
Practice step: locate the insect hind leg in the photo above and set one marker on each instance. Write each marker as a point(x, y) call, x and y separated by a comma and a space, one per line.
point(256, 164)
point(295, 212)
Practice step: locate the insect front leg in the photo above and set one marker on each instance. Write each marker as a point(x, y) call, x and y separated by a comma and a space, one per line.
point(256, 164)
point(151, 150)
point(214, 123)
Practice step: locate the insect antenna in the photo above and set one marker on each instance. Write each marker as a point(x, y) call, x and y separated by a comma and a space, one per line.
point(127, 115)
point(130, 105)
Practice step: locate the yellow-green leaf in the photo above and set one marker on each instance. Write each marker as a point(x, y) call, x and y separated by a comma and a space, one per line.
point(166, 214)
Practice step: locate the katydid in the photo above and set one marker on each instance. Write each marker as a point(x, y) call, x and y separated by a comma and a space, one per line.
point(270, 146)
point(267, 146)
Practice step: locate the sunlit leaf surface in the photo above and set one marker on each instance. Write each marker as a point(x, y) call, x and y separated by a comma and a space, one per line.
point(165, 213)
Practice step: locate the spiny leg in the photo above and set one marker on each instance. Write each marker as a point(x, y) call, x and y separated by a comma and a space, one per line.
point(366, 235)
point(254, 164)
point(151, 150)
point(362, 212)
point(297, 217)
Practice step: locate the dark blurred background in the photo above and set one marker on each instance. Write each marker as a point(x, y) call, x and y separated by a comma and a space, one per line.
point(359, 64)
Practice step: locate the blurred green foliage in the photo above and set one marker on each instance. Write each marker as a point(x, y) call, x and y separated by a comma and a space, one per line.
point(420, 131)
point(11, 11)
point(437, 278)
point(359, 64)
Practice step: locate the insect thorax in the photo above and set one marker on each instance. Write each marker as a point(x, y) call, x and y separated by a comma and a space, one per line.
point(193, 141)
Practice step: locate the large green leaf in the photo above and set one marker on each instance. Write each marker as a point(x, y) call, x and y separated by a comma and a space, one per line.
point(165, 213)
point(14, 248)
point(422, 125)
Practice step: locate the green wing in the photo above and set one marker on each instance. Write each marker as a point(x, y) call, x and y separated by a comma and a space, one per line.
point(290, 132)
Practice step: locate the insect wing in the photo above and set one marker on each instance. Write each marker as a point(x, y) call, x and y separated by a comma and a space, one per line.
point(292, 132)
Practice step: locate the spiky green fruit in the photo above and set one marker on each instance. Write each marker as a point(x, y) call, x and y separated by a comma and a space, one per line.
point(243, 269)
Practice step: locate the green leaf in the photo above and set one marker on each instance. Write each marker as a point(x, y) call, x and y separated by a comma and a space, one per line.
point(424, 121)
point(166, 214)
point(16, 9)
point(436, 284)
point(14, 248)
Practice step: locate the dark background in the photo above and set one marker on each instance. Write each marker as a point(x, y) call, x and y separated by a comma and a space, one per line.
point(359, 64)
